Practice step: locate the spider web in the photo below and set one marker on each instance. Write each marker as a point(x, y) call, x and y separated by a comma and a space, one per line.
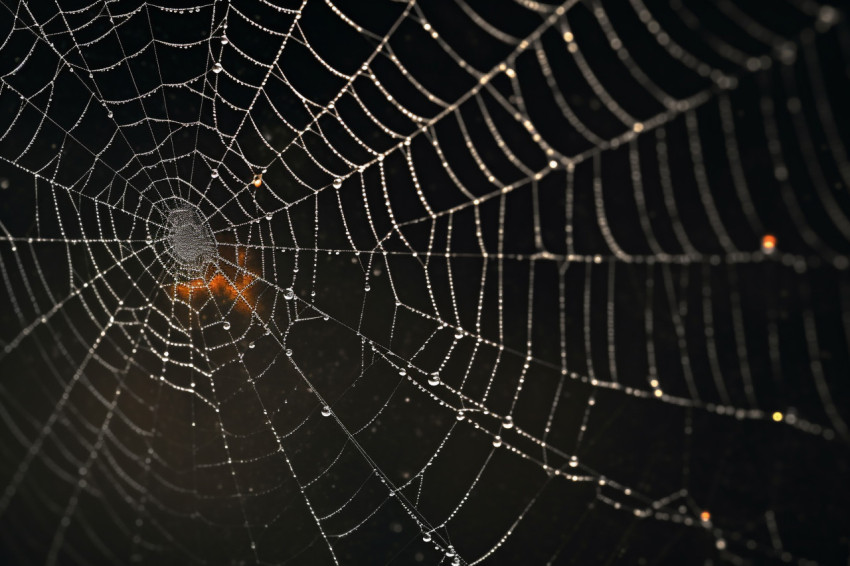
point(441, 282)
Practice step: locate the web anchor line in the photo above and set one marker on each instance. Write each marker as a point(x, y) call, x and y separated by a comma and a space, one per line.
point(420, 282)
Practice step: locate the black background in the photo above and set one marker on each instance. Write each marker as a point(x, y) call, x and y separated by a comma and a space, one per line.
point(750, 473)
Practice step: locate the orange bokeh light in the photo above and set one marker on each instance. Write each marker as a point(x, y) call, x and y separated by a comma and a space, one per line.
point(225, 281)
point(768, 242)
point(705, 516)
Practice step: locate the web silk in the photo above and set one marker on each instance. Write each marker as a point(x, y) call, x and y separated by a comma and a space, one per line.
point(424, 282)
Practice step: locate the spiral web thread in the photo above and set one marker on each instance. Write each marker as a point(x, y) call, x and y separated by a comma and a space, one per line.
point(297, 272)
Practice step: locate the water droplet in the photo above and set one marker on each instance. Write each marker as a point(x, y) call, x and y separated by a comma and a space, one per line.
point(109, 115)
point(508, 422)
point(214, 173)
point(217, 68)
point(269, 216)
point(226, 325)
point(251, 345)
point(337, 183)
point(289, 294)
point(497, 441)
point(426, 537)
point(434, 380)
point(828, 15)
point(326, 411)
point(573, 461)
point(460, 415)
point(367, 287)
point(289, 353)
point(224, 40)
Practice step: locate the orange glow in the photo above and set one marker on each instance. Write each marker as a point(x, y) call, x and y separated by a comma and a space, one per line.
point(226, 282)
point(258, 179)
point(768, 243)
point(705, 516)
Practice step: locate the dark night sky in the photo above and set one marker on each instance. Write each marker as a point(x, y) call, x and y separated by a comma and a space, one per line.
point(531, 323)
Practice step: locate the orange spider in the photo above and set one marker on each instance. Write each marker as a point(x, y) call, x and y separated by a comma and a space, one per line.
point(227, 281)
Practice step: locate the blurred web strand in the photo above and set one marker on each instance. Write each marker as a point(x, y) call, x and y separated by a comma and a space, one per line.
point(121, 267)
